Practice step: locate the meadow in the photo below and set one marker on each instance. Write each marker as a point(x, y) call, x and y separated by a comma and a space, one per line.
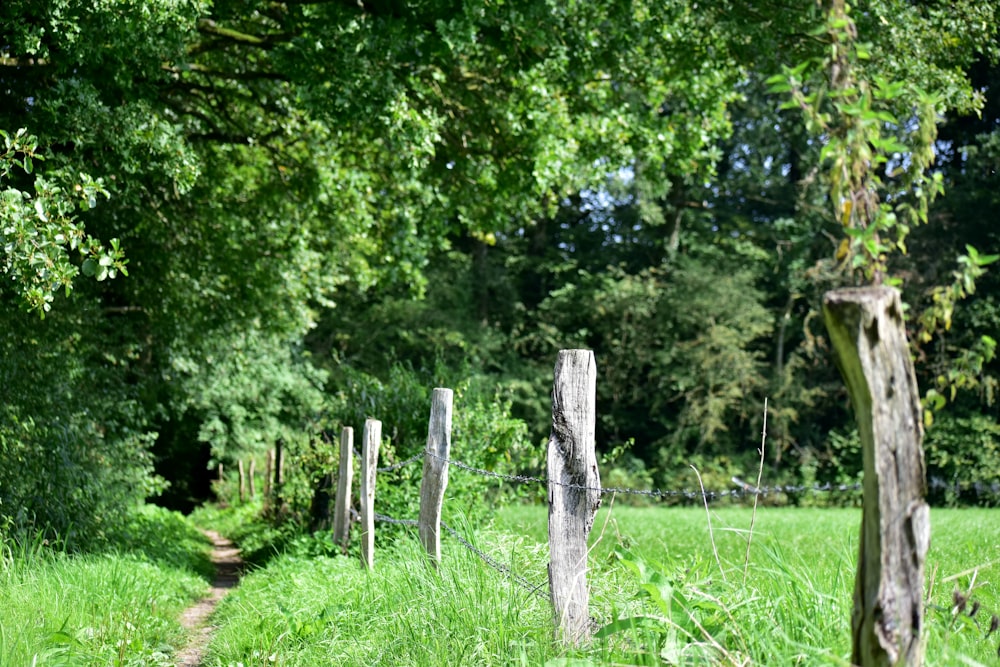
point(660, 595)
point(668, 587)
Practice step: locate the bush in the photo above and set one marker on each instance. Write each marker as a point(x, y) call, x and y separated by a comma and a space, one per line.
point(484, 436)
point(73, 438)
point(963, 460)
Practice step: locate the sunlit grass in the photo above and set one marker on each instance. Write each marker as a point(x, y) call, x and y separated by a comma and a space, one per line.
point(100, 609)
point(793, 608)
point(299, 611)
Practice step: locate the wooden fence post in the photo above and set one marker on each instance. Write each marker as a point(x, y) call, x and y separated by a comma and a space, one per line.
point(435, 475)
point(574, 491)
point(342, 508)
point(372, 437)
point(268, 469)
point(867, 331)
point(242, 481)
point(277, 486)
point(250, 474)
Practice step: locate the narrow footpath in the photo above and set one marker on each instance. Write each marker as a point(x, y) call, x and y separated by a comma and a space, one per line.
point(228, 568)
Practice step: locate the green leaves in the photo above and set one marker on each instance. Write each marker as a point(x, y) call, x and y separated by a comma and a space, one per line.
point(38, 231)
point(689, 622)
point(876, 166)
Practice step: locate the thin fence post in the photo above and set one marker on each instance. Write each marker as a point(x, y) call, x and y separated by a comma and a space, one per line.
point(268, 470)
point(251, 474)
point(278, 484)
point(435, 475)
point(372, 437)
point(867, 331)
point(242, 481)
point(574, 491)
point(345, 477)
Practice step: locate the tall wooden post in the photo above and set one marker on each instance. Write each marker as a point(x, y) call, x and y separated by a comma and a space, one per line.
point(251, 475)
point(372, 437)
point(435, 476)
point(574, 491)
point(867, 330)
point(242, 481)
point(277, 488)
point(268, 469)
point(345, 477)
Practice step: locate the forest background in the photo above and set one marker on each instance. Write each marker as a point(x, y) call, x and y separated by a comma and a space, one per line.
point(231, 223)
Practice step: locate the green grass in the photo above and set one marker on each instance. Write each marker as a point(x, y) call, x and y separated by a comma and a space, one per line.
point(657, 589)
point(323, 610)
point(116, 608)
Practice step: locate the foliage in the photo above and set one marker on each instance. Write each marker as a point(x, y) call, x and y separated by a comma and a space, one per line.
point(71, 433)
point(164, 538)
point(863, 139)
point(484, 436)
point(963, 454)
point(39, 232)
point(470, 186)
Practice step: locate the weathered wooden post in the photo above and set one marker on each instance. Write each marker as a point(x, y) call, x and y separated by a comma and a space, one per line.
point(277, 487)
point(242, 481)
point(574, 491)
point(372, 437)
point(345, 477)
point(268, 469)
point(435, 476)
point(867, 330)
point(251, 474)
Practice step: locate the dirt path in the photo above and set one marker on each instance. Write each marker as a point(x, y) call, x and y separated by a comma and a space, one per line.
point(228, 566)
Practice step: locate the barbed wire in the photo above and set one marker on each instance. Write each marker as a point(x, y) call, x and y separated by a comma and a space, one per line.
point(399, 522)
point(536, 589)
point(394, 466)
point(743, 489)
point(497, 565)
point(979, 488)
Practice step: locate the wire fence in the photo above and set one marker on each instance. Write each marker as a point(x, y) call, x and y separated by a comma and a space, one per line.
point(505, 570)
point(741, 490)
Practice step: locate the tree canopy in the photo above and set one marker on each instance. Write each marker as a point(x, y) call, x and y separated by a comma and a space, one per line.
point(227, 210)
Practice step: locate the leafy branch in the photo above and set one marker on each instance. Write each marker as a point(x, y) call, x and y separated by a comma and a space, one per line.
point(877, 152)
point(876, 160)
point(39, 230)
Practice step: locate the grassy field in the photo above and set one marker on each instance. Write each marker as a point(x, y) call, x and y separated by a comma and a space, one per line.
point(116, 608)
point(659, 595)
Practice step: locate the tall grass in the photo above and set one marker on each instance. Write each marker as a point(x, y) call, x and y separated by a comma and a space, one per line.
point(321, 610)
point(658, 596)
point(118, 608)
